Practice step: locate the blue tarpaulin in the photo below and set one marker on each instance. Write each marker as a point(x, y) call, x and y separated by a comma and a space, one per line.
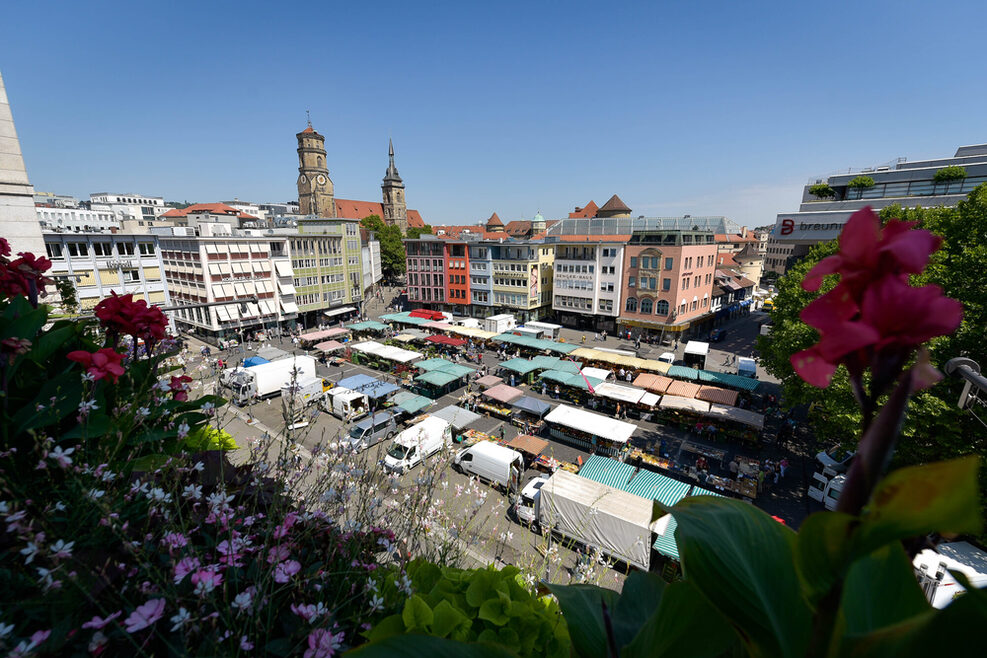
point(369, 386)
point(252, 361)
point(532, 405)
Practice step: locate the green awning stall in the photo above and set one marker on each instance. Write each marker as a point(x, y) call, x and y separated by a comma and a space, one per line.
point(682, 372)
point(404, 318)
point(369, 325)
point(608, 471)
point(535, 343)
point(726, 379)
point(410, 402)
point(655, 486)
point(437, 378)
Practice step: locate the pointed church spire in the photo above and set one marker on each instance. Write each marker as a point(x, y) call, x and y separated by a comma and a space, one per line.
point(392, 171)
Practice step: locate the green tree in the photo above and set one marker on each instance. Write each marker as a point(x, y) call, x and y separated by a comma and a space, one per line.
point(861, 182)
point(415, 231)
point(935, 429)
point(952, 172)
point(392, 256)
point(822, 190)
point(66, 291)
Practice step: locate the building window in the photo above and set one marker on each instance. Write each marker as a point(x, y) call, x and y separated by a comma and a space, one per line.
point(54, 250)
point(646, 305)
point(668, 263)
point(131, 275)
point(661, 308)
point(631, 281)
point(666, 284)
point(633, 261)
point(631, 305)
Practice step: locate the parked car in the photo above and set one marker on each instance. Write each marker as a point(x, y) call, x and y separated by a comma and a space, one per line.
point(836, 458)
point(717, 335)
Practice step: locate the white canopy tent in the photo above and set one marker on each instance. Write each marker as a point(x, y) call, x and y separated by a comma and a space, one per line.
point(598, 373)
point(604, 427)
point(691, 405)
point(620, 392)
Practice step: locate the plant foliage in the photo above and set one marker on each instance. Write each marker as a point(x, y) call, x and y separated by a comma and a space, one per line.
point(950, 173)
point(822, 190)
point(861, 182)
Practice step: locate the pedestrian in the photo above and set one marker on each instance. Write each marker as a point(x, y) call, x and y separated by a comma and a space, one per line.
point(501, 432)
point(760, 480)
point(629, 376)
point(556, 391)
point(544, 388)
point(512, 379)
point(783, 464)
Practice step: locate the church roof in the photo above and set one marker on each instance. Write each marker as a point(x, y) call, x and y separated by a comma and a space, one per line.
point(350, 209)
point(309, 129)
point(494, 220)
point(749, 252)
point(586, 212)
point(210, 208)
point(615, 205)
point(522, 227)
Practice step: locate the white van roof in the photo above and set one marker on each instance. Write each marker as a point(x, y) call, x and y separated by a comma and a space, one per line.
point(494, 451)
point(344, 393)
point(697, 347)
point(431, 426)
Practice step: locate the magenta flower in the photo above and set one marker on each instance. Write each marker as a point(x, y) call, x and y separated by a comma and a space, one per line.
point(867, 251)
point(285, 570)
point(174, 540)
point(145, 615)
point(97, 623)
point(184, 567)
point(206, 581)
point(278, 553)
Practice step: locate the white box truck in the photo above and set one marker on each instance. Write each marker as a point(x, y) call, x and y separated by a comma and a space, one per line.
point(346, 404)
point(417, 443)
point(695, 354)
point(497, 464)
point(499, 323)
point(932, 569)
point(267, 379)
point(615, 522)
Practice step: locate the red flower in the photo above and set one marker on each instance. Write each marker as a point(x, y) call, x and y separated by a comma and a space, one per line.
point(122, 315)
point(17, 276)
point(868, 251)
point(4, 247)
point(179, 386)
point(99, 364)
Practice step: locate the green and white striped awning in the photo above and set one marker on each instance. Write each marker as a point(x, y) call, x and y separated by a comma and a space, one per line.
point(655, 486)
point(607, 471)
point(699, 491)
point(665, 544)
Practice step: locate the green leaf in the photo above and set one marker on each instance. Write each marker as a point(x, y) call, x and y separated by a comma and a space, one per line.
point(940, 497)
point(956, 630)
point(149, 463)
point(638, 601)
point(743, 562)
point(685, 624)
point(481, 587)
point(49, 342)
point(583, 611)
point(385, 628)
point(424, 575)
point(416, 614)
point(496, 609)
point(447, 619)
point(881, 590)
point(823, 551)
point(98, 424)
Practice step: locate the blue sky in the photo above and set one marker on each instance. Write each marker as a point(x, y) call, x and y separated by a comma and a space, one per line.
point(723, 108)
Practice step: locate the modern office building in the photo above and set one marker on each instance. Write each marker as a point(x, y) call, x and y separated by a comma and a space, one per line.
point(587, 286)
point(129, 206)
point(828, 201)
point(327, 260)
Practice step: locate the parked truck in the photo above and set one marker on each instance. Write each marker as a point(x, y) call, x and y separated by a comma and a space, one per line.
point(298, 396)
point(500, 323)
point(267, 379)
point(413, 445)
point(615, 522)
point(346, 404)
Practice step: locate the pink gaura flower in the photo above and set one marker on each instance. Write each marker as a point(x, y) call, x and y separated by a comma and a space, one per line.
point(174, 540)
point(282, 530)
point(323, 644)
point(184, 567)
point(279, 553)
point(97, 623)
point(285, 570)
point(145, 615)
point(206, 581)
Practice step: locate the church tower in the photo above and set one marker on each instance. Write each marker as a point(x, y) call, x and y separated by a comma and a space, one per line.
point(395, 209)
point(314, 185)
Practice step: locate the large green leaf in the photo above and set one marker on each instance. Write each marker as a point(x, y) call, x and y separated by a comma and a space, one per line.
point(416, 614)
point(417, 646)
point(50, 341)
point(448, 619)
point(940, 497)
point(881, 590)
point(685, 624)
point(639, 600)
point(956, 630)
point(582, 607)
point(823, 551)
point(743, 562)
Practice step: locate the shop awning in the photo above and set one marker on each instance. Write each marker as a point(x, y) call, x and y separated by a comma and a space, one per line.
point(313, 336)
point(699, 491)
point(717, 395)
point(665, 544)
point(503, 393)
point(742, 416)
point(599, 373)
point(535, 343)
point(727, 379)
point(654, 383)
point(655, 486)
point(369, 325)
point(682, 372)
point(289, 307)
point(458, 417)
point(404, 338)
point(404, 318)
point(650, 400)
point(575, 381)
point(426, 314)
point(446, 340)
point(520, 366)
point(607, 471)
point(438, 325)
point(338, 311)
point(683, 389)
point(286, 288)
point(619, 392)
point(283, 268)
point(532, 405)
point(410, 402)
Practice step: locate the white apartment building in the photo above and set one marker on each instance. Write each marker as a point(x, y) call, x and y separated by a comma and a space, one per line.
point(222, 265)
point(248, 208)
point(100, 263)
point(587, 286)
point(75, 220)
point(129, 206)
point(372, 272)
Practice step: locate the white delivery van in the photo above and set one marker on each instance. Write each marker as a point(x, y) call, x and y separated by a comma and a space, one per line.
point(826, 487)
point(527, 503)
point(346, 404)
point(696, 353)
point(667, 357)
point(496, 464)
point(746, 367)
point(370, 431)
point(417, 443)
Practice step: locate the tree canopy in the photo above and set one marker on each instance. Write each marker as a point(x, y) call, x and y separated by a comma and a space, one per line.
point(416, 231)
point(934, 429)
point(392, 260)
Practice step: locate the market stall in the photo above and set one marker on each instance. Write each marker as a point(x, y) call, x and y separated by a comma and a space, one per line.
point(528, 413)
point(313, 337)
point(655, 486)
point(682, 389)
point(654, 383)
point(607, 471)
point(522, 369)
point(613, 360)
point(410, 403)
point(369, 326)
point(375, 389)
point(498, 399)
point(588, 430)
point(380, 356)
point(489, 380)
point(405, 318)
point(457, 417)
point(329, 346)
point(536, 344)
point(603, 374)
point(683, 412)
point(717, 395)
point(405, 338)
point(737, 423)
point(445, 341)
point(577, 386)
